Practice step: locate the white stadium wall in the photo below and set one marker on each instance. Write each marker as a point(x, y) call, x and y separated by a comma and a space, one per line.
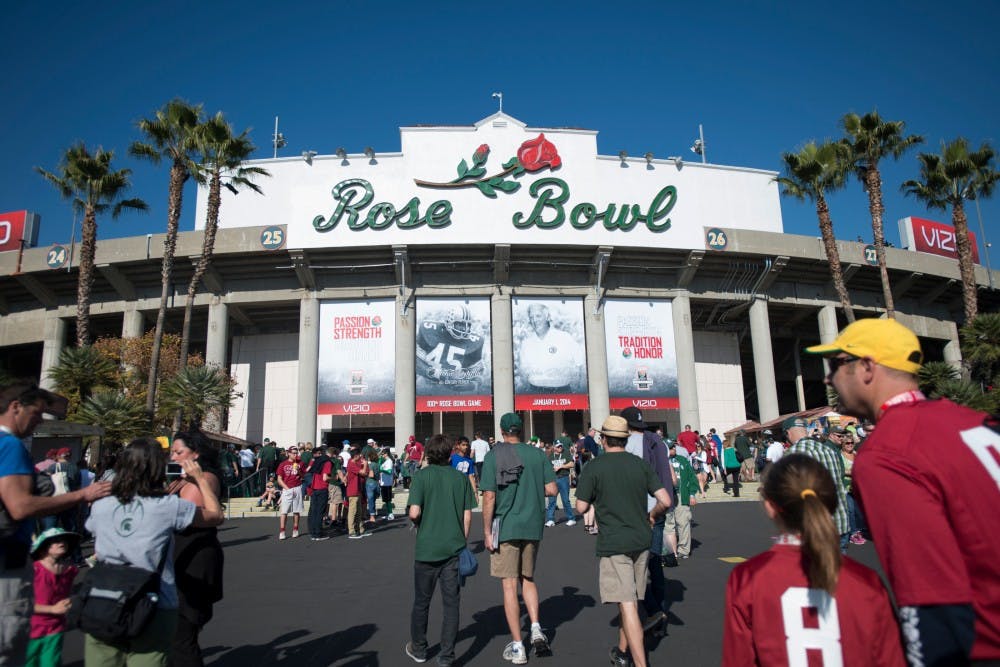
point(266, 369)
point(721, 399)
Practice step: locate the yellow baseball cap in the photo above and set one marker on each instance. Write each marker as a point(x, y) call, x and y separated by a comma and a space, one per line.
point(886, 342)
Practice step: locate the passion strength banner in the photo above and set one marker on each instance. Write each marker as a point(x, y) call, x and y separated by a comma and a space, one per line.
point(642, 358)
point(550, 356)
point(357, 357)
point(454, 372)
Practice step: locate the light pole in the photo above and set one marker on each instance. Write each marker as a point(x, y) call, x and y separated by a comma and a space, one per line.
point(699, 145)
point(279, 139)
point(986, 244)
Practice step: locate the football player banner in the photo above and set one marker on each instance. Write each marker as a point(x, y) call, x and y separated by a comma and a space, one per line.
point(550, 356)
point(642, 358)
point(357, 357)
point(453, 355)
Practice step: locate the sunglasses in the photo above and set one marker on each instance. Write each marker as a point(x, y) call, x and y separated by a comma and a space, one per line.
point(836, 362)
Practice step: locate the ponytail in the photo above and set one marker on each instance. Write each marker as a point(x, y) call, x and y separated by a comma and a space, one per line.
point(804, 493)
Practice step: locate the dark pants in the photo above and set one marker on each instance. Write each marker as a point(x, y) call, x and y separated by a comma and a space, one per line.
point(317, 510)
point(735, 473)
point(185, 652)
point(425, 578)
point(656, 592)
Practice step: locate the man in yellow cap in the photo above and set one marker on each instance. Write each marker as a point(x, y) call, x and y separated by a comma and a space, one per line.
point(922, 477)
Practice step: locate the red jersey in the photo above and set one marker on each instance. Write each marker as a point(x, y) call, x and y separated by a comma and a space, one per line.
point(773, 618)
point(929, 481)
point(50, 588)
point(317, 481)
point(355, 479)
point(290, 472)
point(688, 440)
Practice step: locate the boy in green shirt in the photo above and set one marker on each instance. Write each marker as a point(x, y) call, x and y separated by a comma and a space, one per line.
point(678, 526)
point(441, 504)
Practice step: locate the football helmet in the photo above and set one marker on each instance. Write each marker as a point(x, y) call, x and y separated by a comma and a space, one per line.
point(458, 322)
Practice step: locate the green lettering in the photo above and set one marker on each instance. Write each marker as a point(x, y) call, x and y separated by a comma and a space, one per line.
point(545, 200)
point(386, 210)
point(345, 192)
point(622, 222)
point(658, 209)
point(438, 214)
point(412, 213)
point(586, 209)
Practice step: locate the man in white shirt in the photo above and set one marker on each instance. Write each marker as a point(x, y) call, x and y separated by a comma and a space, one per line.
point(480, 448)
point(775, 451)
point(549, 360)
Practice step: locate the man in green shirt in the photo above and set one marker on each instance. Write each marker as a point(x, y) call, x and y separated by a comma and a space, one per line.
point(441, 504)
point(617, 484)
point(678, 525)
point(267, 460)
point(516, 479)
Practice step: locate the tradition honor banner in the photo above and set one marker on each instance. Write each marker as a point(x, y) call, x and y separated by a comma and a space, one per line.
point(454, 370)
point(550, 356)
point(357, 357)
point(642, 357)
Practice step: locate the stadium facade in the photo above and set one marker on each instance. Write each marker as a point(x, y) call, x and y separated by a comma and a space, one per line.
point(487, 268)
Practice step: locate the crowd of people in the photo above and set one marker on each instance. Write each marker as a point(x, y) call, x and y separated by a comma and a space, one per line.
point(910, 474)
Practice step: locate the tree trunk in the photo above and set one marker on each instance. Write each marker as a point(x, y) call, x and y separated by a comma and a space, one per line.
point(178, 176)
point(970, 291)
point(207, 247)
point(873, 183)
point(85, 281)
point(833, 256)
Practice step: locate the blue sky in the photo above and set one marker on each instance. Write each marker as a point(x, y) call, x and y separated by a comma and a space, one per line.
point(763, 78)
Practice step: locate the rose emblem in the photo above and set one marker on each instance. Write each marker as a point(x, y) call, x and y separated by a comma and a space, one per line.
point(376, 321)
point(538, 153)
point(627, 353)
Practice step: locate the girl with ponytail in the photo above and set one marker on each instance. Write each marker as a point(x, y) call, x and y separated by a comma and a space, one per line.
point(802, 596)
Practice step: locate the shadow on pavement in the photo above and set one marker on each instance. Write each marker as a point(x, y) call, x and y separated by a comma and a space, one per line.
point(338, 648)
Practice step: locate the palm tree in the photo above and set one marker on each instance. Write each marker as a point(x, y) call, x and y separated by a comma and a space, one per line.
point(870, 139)
point(197, 391)
point(121, 416)
point(810, 174)
point(170, 135)
point(222, 166)
point(81, 371)
point(981, 348)
point(947, 180)
point(93, 186)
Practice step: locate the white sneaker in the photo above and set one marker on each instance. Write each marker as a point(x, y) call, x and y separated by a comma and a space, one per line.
point(549, 524)
point(295, 533)
point(391, 517)
point(514, 652)
point(571, 522)
point(539, 643)
point(281, 536)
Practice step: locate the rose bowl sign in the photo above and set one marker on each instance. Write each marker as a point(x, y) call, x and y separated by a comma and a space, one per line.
point(936, 238)
point(18, 226)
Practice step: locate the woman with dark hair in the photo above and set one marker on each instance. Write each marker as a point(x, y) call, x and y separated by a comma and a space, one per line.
point(135, 526)
point(802, 595)
point(198, 557)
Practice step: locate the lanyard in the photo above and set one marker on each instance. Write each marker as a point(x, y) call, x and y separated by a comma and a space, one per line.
point(912, 396)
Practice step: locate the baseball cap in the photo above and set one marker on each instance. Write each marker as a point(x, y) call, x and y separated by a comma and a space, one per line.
point(886, 342)
point(767, 431)
point(345, 442)
point(511, 423)
point(533, 438)
point(633, 418)
point(557, 444)
point(837, 430)
point(65, 451)
point(615, 427)
point(371, 441)
point(794, 422)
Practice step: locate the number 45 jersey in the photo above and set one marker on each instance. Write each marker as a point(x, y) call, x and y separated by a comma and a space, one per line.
point(449, 353)
point(773, 618)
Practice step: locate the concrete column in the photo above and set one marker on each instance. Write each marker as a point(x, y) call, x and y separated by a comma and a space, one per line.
point(54, 342)
point(467, 425)
point(827, 329)
point(763, 361)
point(306, 427)
point(503, 358)
point(133, 323)
point(952, 351)
point(405, 418)
point(558, 423)
point(800, 392)
point(687, 379)
point(597, 359)
point(217, 339)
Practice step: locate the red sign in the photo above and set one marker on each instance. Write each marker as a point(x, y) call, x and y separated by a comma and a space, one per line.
point(12, 230)
point(665, 403)
point(454, 403)
point(357, 408)
point(938, 238)
point(544, 402)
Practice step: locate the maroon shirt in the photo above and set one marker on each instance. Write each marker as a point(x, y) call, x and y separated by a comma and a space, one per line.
point(291, 473)
point(355, 479)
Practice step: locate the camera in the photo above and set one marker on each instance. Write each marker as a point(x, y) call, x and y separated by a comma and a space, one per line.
point(174, 470)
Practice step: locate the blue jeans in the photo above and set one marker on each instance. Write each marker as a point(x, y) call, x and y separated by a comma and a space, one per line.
point(562, 486)
point(371, 491)
point(425, 579)
point(656, 592)
point(317, 510)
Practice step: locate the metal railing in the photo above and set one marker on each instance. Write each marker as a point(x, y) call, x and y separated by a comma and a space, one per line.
point(248, 485)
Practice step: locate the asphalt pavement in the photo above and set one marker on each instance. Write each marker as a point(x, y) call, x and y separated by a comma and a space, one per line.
point(347, 602)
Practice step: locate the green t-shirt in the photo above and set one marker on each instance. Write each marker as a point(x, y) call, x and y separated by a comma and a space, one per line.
point(566, 442)
point(268, 454)
point(617, 484)
point(521, 505)
point(443, 494)
point(305, 458)
point(558, 459)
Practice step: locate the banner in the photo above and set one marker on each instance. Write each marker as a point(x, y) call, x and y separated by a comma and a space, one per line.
point(642, 358)
point(936, 238)
point(454, 370)
point(357, 357)
point(550, 356)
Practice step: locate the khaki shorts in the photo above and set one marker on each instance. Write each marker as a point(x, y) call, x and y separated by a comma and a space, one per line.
point(336, 494)
point(670, 524)
point(515, 558)
point(291, 500)
point(622, 576)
